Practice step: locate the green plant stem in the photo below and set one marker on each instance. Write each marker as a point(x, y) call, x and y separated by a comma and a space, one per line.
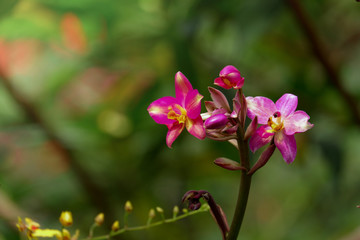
point(154, 224)
point(244, 189)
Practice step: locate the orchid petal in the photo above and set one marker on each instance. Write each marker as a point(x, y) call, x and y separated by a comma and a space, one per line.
point(220, 111)
point(210, 106)
point(205, 115)
point(236, 108)
point(228, 70)
point(159, 110)
point(297, 122)
point(287, 104)
point(195, 127)
point(286, 145)
point(261, 137)
point(173, 132)
point(182, 87)
point(193, 104)
point(219, 99)
point(221, 83)
point(261, 107)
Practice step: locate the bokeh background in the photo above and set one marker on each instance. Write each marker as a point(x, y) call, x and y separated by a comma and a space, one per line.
point(77, 77)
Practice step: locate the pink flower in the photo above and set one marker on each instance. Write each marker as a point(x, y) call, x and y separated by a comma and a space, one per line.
point(229, 78)
point(179, 112)
point(281, 123)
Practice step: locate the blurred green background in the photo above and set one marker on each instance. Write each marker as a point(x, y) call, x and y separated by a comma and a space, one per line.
point(77, 77)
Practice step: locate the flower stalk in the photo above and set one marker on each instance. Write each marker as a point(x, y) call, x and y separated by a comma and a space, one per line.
point(245, 182)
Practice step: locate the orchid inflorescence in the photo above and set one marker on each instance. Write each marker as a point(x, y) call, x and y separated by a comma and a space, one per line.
point(278, 121)
point(156, 217)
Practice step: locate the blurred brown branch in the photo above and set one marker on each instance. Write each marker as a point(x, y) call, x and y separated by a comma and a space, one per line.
point(94, 192)
point(321, 52)
point(9, 210)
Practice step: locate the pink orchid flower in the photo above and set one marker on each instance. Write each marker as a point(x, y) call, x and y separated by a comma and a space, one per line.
point(229, 77)
point(179, 112)
point(281, 123)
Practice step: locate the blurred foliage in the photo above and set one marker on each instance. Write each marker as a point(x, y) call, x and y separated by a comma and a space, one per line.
point(90, 69)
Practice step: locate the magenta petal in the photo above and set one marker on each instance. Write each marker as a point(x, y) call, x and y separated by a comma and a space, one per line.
point(297, 122)
point(182, 87)
point(193, 104)
point(286, 145)
point(287, 104)
point(159, 109)
point(173, 132)
point(196, 127)
point(260, 138)
point(219, 99)
point(220, 82)
point(261, 107)
point(228, 70)
point(240, 83)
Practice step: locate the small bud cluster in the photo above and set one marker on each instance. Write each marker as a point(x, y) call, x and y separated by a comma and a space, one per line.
point(33, 230)
point(220, 121)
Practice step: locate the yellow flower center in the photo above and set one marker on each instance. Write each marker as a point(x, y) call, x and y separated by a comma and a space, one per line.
point(227, 82)
point(179, 115)
point(275, 122)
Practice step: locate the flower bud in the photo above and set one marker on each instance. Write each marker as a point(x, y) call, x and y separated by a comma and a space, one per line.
point(175, 211)
point(229, 77)
point(128, 207)
point(66, 219)
point(228, 164)
point(263, 159)
point(251, 129)
point(159, 210)
point(99, 219)
point(116, 226)
point(216, 121)
point(66, 234)
point(152, 213)
point(193, 197)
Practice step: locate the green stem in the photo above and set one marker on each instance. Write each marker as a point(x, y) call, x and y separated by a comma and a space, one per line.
point(154, 224)
point(245, 182)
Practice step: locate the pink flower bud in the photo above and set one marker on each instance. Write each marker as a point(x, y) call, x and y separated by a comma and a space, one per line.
point(230, 77)
point(251, 129)
point(263, 159)
point(216, 121)
point(228, 164)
